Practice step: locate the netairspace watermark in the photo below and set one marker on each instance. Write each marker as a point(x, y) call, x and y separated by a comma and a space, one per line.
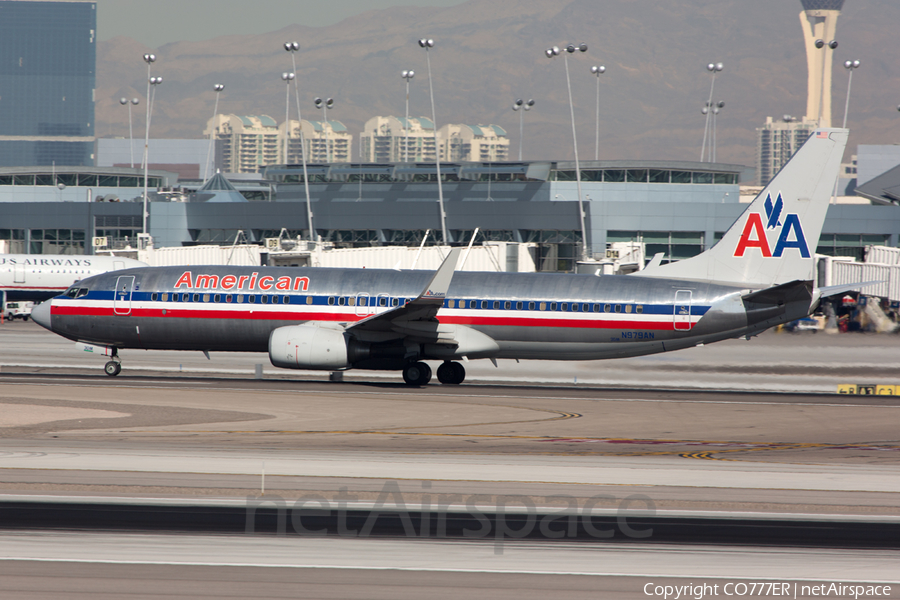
point(790, 589)
point(510, 517)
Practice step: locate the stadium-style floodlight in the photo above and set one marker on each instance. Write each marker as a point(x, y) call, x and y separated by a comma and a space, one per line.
point(552, 52)
point(820, 44)
point(597, 70)
point(716, 108)
point(124, 102)
point(325, 105)
point(850, 65)
point(713, 68)
point(217, 88)
point(427, 44)
point(407, 75)
point(293, 47)
point(524, 106)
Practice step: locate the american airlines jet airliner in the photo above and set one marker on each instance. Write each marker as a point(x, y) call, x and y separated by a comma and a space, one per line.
point(760, 274)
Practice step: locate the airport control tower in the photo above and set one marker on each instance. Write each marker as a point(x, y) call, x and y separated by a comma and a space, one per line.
point(819, 22)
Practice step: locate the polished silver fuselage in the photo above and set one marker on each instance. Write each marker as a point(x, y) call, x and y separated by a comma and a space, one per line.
point(530, 316)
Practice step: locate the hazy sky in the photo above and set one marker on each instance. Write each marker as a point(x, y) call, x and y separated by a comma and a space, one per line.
point(158, 22)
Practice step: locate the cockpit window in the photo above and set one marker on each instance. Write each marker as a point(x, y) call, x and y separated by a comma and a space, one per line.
point(71, 292)
point(82, 292)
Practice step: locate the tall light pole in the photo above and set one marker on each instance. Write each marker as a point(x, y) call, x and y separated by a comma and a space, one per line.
point(293, 47)
point(407, 75)
point(287, 78)
point(212, 130)
point(712, 68)
point(123, 102)
point(149, 59)
point(325, 105)
point(524, 106)
point(552, 52)
point(850, 65)
point(429, 43)
point(821, 45)
point(714, 142)
point(597, 70)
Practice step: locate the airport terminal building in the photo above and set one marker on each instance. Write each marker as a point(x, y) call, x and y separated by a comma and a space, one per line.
point(678, 208)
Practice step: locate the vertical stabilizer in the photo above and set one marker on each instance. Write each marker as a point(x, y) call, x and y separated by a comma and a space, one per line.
point(774, 240)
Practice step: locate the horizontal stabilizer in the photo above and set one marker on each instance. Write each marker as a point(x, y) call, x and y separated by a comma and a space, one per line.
point(834, 290)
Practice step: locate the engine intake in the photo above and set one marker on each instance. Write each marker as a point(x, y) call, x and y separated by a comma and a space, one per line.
point(309, 347)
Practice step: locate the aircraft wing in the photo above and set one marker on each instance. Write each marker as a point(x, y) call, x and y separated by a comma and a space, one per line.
point(416, 318)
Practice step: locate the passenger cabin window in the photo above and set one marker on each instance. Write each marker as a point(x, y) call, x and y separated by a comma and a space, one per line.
point(553, 306)
point(543, 306)
point(165, 297)
point(618, 308)
point(396, 302)
point(154, 297)
point(628, 308)
point(330, 300)
point(531, 306)
point(228, 297)
point(341, 301)
point(507, 305)
point(285, 299)
point(596, 308)
point(564, 306)
point(265, 299)
point(206, 297)
point(196, 297)
point(639, 308)
point(309, 299)
point(218, 297)
point(607, 308)
point(240, 298)
point(252, 299)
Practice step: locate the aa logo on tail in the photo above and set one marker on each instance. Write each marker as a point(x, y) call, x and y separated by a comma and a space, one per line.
point(789, 232)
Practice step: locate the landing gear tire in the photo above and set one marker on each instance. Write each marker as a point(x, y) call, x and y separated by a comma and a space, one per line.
point(451, 373)
point(417, 374)
point(113, 368)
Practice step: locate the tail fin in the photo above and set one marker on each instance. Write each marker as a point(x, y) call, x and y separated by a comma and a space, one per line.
point(774, 240)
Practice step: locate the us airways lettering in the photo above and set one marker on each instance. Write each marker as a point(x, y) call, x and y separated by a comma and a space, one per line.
point(790, 232)
point(265, 283)
point(46, 262)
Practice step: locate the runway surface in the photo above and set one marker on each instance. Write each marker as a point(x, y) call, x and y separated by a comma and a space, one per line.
point(737, 427)
point(226, 566)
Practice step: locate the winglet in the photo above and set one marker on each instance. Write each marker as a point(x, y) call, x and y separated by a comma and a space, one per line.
point(440, 282)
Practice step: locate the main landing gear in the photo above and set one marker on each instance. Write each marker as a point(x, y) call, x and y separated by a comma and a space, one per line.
point(451, 372)
point(419, 373)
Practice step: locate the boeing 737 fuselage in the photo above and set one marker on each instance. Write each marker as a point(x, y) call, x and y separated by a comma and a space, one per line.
point(759, 275)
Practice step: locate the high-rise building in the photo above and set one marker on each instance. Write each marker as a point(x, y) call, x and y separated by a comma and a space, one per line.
point(778, 140)
point(326, 141)
point(477, 143)
point(47, 78)
point(776, 143)
point(384, 140)
point(244, 144)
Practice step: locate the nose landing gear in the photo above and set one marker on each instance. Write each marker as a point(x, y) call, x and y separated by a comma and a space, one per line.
point(113, 368)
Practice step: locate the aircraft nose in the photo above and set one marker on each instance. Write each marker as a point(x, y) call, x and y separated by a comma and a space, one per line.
point(40, 314)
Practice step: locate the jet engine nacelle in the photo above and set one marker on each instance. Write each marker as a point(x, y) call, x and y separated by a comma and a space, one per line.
point(308, 346)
